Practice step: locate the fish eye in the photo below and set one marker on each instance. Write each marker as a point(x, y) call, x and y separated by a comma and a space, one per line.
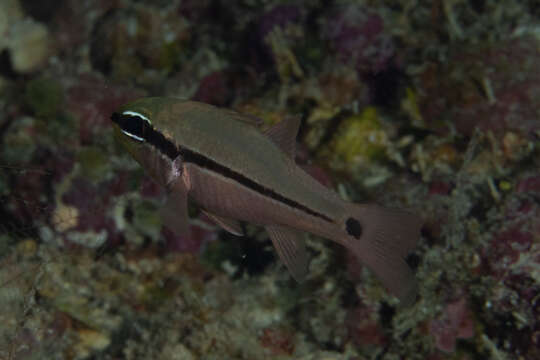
point(133, 124)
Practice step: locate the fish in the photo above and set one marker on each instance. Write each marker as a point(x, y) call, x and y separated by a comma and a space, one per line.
point(220, 160)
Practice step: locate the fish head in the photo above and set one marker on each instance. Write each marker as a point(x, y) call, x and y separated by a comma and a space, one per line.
point(130, 124)
point(150, 110)
point(138, 127)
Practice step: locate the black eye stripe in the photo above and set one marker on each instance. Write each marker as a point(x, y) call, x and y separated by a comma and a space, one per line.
point(133, 125)
point(142, 130)
point(163, 144)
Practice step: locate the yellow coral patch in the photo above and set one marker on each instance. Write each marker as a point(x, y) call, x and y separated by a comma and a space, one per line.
point(361, 137)
point(65, 218)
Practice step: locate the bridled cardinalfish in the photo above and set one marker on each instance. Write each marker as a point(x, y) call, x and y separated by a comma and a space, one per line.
point(221, 161)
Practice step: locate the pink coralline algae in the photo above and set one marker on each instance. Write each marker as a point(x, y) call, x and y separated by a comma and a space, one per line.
point(364, 327)
point(529, 184)
point(513, 259)
point(440, 188)
point(456, 322)
point(491, 87)
point(278, 340)
point(358, 36)
point(92, 100)
point(505, 249)
point(188, 243)
point(512, 250)
point(92, 202)
point(279, 16)
point(214, 89)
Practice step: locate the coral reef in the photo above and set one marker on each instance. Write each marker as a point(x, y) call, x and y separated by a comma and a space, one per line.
point(430, 106)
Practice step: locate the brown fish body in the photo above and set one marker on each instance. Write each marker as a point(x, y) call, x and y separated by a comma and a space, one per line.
point(223, 197)
point(243, 149)
point(234, 172)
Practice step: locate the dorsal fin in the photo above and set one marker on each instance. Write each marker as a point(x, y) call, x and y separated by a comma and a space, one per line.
point(283, 134)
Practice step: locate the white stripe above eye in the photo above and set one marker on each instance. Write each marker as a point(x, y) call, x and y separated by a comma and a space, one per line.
point(133, 113)
point(133, 136)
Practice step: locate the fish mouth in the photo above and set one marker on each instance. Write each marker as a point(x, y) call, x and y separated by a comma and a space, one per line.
point(115, 117)
point(119, 119)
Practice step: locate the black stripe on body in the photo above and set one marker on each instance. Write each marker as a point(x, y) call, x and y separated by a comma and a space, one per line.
point(139, 127)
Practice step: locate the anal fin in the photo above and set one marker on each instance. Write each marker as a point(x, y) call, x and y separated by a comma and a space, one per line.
point(232, 226)
point(291, 250)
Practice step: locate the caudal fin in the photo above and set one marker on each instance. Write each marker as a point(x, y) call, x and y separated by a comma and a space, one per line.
point(381, 238)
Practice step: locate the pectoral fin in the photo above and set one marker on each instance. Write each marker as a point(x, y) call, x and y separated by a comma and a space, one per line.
point(284, 133)
point(291, 250)
point(230, 225)
point(175, 211)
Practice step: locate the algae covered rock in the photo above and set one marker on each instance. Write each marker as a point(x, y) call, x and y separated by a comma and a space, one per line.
point(44, 96)
point(359, 140)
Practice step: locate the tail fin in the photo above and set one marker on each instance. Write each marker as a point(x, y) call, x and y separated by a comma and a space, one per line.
point(381, 238)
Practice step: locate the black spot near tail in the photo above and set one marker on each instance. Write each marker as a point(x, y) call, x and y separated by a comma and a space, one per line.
point(354, 228)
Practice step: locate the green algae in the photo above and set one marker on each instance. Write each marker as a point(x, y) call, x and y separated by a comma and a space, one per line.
point(124, 67)
point(95, 164)
point(44, 96)
point(61, 127)
point(146, 218)
point(169, 56)
point(18, 146)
